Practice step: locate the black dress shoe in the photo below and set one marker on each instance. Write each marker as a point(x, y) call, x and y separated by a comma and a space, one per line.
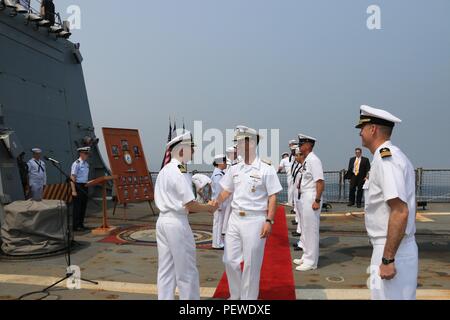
point(350, 204)
point(296, 234)
point(294, 222)
point(359, 206)
point(297, 248)
point(81, 229)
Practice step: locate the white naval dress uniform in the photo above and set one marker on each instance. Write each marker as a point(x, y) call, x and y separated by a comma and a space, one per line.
point(297, 177)
point(227, 203)
point(217, 241)
point(251, 186)
point(176, 246)
point(287, 164)
point(312, 172)
point(37, 178)
point(296, 174)
point(391, 177)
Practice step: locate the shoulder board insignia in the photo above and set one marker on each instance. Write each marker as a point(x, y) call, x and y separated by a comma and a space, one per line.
point(234, 164)
point(385, 153)
point(78, 161)
point(182, 168)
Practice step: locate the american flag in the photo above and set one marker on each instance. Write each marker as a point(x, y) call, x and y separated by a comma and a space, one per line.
point(167, 155)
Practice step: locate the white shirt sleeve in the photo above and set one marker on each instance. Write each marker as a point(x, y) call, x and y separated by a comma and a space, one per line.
point(196, 182)
point(227, 181)
point(392, 181)
point(281, 166)
point(216, 188)
point(317, 170)
point(29, 164)
point(272, 182)
point(45, 173)
point(215, 179)
point(206, 180)
point(183, 189)
point(74, 170)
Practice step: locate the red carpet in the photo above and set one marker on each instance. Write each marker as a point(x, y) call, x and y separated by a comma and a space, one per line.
point(277, 280)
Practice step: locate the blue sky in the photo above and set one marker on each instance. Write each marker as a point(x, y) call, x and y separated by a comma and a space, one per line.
point(293, 65)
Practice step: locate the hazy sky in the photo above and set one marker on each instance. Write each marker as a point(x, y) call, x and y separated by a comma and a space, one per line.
point(299, 66)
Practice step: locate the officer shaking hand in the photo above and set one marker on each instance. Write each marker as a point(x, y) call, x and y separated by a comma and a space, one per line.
point(254, 185)
point(175, 199)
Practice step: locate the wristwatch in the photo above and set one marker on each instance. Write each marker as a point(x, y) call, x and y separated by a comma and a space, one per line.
point(270, 221)
point(318, 201)
point(387, 262)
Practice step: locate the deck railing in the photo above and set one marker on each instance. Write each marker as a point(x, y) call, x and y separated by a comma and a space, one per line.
point(432, 185)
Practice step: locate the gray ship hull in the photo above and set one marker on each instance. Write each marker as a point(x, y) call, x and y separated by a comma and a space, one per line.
point(43, 103)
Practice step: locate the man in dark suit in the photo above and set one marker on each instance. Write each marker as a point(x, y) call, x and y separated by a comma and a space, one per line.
point(357, 173)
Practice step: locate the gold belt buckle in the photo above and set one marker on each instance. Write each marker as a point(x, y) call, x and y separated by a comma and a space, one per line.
point(242, 213)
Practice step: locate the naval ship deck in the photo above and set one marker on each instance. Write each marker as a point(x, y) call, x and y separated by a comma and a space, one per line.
point(126, 264)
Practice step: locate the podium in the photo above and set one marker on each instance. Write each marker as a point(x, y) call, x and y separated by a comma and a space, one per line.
point(102, 181)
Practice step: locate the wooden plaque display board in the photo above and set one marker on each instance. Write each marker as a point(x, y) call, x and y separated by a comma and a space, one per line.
point(127, 160)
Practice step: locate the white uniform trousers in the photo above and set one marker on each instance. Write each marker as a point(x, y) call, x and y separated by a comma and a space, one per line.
point(404, 284)
point(298, 218)
point(36, 190)
point(297, 212)
point(217, 238)
point(298, 215)
point(291, 190)
point(176, 258)
point(310, 221)
point(243, 242)
point(226, 214)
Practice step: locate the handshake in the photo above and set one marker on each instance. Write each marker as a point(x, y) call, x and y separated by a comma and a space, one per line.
point(213, 205)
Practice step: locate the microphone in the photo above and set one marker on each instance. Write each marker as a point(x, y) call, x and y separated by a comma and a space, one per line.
point(51, 160)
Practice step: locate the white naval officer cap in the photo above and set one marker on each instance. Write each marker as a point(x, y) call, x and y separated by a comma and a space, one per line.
point(303, 138)
point(284, 154)
point(182, 139)
point(231, 149)
point(242, 132)
point(293, 144)
point(219, 159)
point(36, 150)
point(370, 115)
point(84, 149)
